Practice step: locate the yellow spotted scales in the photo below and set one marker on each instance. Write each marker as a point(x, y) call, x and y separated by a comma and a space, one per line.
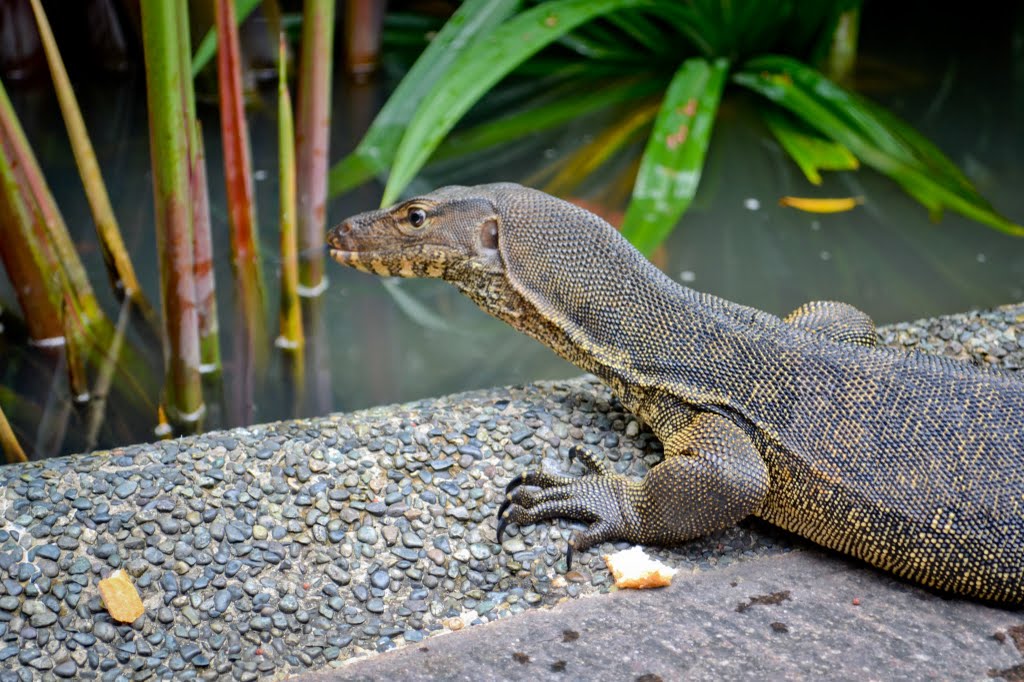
point(911, 462)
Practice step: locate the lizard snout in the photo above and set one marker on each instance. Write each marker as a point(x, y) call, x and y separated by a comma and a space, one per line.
point(338, 236)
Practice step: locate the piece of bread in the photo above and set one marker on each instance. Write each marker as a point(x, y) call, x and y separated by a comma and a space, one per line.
point(120, 597)
point(633, 569)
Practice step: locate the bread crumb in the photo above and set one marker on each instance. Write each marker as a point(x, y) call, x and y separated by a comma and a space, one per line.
point(120, 597)
point(633, 569)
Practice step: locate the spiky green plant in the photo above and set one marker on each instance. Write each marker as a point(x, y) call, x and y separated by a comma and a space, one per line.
point(693, 50)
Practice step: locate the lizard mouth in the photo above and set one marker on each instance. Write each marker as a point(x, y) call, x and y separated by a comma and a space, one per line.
point(367, 261)
point(342, 256)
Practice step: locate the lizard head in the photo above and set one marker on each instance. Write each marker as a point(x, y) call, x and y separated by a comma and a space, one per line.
point(448, 233)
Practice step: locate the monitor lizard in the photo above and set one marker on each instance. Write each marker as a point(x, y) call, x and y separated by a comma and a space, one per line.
point(909, 461)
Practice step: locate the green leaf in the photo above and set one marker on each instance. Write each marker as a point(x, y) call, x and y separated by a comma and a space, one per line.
point(810, 151)
point(543, 117)
point(924, 148)
point(477, 69)
point(672, 162)
point(844, 118)
point(208, 45)
point(376, 150)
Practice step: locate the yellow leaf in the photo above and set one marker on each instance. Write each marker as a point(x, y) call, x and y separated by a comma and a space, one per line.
point(837, 205)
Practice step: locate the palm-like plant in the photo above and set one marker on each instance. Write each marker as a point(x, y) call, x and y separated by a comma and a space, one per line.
point(679, 55)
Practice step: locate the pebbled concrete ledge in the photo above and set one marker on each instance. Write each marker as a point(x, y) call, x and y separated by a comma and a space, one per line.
point(309, 546)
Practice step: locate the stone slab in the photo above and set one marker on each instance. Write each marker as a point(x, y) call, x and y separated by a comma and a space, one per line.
point(801, 615)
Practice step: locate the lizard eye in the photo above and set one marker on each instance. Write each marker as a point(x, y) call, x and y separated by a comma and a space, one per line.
point(417, 216)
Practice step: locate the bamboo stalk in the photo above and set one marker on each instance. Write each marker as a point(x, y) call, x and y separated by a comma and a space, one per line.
point(28, 267)
point(209, 338)
point(171, 189)
point(115, 256)
point(291, 312)
point(40, 236)
point(206, 289)
point(313, 140)
point(235, 131)
point(238, 177)
point(362, 36)
point(12, 449)
point(51, 229)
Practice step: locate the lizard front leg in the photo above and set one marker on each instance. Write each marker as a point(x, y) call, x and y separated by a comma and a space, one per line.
point(712, 476)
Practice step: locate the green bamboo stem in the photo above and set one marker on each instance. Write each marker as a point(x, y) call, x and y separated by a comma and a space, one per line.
point(41, 203)
point(312, 140)
point(171, 188)
point(291, 336)
point(119, 265)
point(12, 449)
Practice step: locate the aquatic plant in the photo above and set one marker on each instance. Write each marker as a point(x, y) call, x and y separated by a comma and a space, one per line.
point(90, 356)
point(594, 54)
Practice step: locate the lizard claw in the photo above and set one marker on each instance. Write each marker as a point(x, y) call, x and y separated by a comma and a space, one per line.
point(503, 507)
point(502, 522)
point(568, 556)
point(514, 483)
point(598, 499)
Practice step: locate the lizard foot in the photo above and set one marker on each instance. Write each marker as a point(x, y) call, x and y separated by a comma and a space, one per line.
point(600, 498)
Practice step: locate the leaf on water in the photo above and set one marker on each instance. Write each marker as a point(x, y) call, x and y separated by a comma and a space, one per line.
point(878, 139)
point(830, 205)
point(674, 157)
point(811, 152)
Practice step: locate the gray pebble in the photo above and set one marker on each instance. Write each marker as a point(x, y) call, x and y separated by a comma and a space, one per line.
point(411, 540)
point(66, 669)
point(288, 604)
point(125, 489)
point(104, 631)
point(380, 579)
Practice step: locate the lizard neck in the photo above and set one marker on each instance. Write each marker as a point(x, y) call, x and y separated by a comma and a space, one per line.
point(495, 295)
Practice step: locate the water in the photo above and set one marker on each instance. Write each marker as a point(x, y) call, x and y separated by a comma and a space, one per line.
point(958, 82)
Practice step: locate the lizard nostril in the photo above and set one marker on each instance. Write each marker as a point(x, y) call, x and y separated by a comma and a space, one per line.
point(338, 233)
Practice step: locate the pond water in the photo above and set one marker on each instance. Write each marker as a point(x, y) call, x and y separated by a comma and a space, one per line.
point(959, 81)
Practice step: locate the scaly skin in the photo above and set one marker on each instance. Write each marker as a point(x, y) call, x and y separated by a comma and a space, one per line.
point(911, 462)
